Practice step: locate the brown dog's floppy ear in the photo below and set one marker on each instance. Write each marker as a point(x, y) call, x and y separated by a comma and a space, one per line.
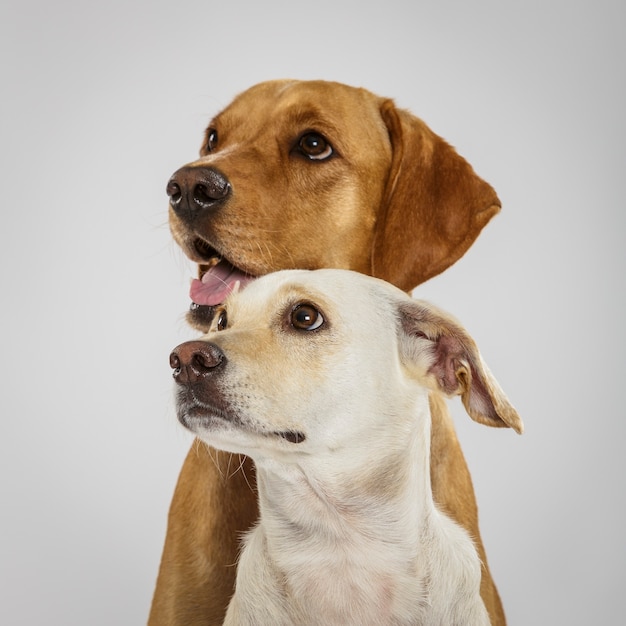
point(434, 206)
point(453, 361)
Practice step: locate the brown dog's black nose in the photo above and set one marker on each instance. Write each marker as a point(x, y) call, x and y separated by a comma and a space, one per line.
point(194, 360)
point(192, 189)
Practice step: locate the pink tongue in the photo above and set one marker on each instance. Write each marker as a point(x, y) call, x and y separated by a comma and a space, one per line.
point(217, 283)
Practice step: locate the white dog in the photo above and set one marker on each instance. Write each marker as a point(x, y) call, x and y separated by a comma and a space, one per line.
point(324, 379)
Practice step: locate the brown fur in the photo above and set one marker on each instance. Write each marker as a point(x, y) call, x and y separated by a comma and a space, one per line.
point(394, 201)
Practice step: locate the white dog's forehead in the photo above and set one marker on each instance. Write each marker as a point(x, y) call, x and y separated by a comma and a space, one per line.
point(338, 293)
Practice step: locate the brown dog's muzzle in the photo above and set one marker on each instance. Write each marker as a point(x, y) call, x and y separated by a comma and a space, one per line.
point(195, 190)
point(195, 361)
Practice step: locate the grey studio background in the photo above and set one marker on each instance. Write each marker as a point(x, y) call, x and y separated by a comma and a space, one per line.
point(101, 102)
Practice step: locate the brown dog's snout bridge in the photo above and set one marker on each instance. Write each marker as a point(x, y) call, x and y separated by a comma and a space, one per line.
point(194, 360)
point(193, 189)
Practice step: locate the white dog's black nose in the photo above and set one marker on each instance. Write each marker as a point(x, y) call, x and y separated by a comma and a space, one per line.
point(194, 360)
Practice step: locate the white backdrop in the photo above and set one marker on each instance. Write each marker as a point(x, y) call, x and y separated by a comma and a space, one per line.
point(101, 102)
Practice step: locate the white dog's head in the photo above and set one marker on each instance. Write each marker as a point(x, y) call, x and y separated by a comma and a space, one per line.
point(326, 362)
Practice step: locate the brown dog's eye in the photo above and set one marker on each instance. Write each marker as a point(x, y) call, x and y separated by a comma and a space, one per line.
point(222, 320)
point(211, 140)
point(306, 317)
point(314, 146)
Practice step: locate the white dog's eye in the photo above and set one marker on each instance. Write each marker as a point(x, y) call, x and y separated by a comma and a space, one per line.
point(222, 320)
point(306, 317)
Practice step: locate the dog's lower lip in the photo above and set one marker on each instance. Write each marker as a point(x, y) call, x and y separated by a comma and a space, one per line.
point(196, 416)
point(202, 415)
point(208, 257)
point(204, 250)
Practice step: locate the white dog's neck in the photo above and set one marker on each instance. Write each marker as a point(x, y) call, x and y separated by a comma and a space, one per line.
point(347, 546)
point(378, 497)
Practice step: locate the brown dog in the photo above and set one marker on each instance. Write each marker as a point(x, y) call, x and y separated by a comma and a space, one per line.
point(309, 175)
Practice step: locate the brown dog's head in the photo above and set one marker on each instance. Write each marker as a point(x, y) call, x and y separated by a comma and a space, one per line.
point(314, 174)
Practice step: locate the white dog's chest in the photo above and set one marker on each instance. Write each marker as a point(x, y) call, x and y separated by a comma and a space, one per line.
point(329, 585)
point(353, 582)
point(344, 593)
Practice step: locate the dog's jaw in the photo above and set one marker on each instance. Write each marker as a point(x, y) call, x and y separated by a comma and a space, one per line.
point(199, 411)
point(218, 276)
point(211, 260)
point(216, 423)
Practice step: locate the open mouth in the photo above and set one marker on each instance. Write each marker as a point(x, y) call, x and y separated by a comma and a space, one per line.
point(203, 249)
point(220, 277)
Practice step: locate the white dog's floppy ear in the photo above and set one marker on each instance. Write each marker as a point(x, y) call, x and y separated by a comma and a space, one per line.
point(454, 362)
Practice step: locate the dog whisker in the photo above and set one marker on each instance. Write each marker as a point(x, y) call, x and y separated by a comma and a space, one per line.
point(245, 476)
point(230, 474)
point(227, 473)
point(197, 444)
point(214, 454)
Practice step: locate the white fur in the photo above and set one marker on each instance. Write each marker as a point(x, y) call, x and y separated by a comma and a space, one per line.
point(348, 533)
